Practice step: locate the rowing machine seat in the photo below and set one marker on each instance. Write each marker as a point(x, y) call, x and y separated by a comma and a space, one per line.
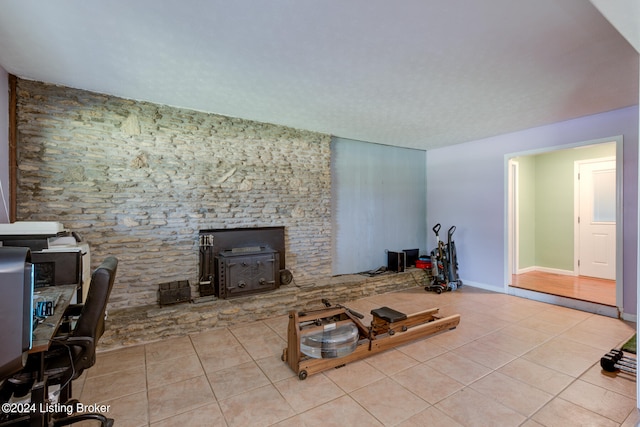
point(388, 314)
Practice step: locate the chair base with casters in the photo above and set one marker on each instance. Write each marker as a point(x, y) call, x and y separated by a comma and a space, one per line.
point(104, 421)
point(39, 393)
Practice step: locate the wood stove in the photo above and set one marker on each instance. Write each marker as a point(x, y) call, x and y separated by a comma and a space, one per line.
point(242, 261)
point(242, 272)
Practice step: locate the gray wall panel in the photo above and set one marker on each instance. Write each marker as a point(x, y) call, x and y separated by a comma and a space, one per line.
point(379, 203)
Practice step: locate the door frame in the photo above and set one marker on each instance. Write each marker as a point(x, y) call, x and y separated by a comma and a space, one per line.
point(512, 217)
point(509, 235)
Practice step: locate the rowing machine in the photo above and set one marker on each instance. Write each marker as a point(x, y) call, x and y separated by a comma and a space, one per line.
point(331, 337)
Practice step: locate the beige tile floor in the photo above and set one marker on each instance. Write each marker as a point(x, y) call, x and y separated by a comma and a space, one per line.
point(510, 362)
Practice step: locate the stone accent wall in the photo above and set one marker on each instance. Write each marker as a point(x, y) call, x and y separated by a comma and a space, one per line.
point(138, 181)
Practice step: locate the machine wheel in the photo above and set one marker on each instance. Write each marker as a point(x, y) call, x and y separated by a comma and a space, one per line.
point(438, 290)
point(302, 375)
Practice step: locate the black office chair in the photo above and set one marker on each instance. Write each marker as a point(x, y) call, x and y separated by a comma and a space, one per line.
point(73, 352)
point(80, 344)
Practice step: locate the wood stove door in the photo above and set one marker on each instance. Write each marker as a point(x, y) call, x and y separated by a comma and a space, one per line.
point(251, 273)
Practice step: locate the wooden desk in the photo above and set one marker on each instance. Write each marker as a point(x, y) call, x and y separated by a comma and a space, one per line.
point(43, 333)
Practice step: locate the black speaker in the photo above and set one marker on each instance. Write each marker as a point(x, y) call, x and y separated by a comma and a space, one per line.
point(395, 261)
point(411, 256)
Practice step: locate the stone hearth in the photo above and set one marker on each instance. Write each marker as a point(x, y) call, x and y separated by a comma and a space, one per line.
point(137, 325)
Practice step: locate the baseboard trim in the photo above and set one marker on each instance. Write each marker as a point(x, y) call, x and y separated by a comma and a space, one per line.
point(483, 286)
point(629, 317)
point(547, 270)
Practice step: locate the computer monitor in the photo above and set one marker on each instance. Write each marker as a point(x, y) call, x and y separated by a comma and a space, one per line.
point(16, 308)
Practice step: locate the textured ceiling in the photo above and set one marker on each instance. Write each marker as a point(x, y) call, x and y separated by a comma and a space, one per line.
point(415, 73)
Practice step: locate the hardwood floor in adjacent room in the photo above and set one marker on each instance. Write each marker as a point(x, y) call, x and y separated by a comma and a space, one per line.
point(583, 288)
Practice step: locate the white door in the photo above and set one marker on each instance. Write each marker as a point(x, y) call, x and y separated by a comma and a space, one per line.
point(597, 219)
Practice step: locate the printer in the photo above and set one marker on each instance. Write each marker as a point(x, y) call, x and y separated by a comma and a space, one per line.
point(59, 256)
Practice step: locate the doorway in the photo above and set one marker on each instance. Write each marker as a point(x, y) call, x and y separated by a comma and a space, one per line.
point(544, 255)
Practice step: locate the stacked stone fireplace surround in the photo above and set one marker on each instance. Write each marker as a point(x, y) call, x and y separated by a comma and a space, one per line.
point(138, 181)
point(137, 325)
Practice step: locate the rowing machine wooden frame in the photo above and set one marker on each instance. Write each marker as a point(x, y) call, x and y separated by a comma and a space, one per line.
point(380, 336)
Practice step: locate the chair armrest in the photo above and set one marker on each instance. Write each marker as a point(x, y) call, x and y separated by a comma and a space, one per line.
point(69, 318)
point(86, 343)
point(71, 340)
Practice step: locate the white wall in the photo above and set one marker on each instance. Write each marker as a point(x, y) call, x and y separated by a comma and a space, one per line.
point(466, 187)
point(4, 146)
point(378, 203)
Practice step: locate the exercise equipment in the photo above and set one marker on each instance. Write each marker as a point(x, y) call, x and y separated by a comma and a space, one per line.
point(452, 255)
point(327, 338)
point(615, 361)
point(444, 264)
